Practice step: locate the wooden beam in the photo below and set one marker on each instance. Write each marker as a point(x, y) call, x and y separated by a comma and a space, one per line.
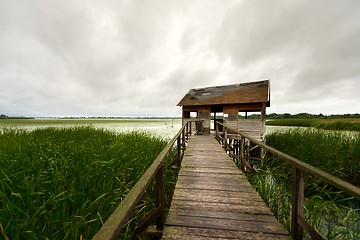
point(297, 203)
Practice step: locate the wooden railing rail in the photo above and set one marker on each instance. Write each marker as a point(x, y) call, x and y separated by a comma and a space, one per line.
point(113, 226)
point(298, 223)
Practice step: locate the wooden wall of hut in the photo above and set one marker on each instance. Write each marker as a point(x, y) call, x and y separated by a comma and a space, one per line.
point(202, 113)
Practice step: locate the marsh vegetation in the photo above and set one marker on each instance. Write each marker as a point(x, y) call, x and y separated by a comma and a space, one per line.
point(65, 177)
point(333, 213)
point(63, 183)
point(348, 124)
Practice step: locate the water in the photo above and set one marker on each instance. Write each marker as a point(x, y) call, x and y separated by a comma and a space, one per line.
point(164, 128)
point(161, 127)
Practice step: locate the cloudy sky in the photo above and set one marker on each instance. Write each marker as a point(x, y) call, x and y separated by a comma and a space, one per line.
point(138, 58)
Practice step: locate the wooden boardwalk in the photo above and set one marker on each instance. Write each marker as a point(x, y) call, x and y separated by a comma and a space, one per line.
point(214, 200)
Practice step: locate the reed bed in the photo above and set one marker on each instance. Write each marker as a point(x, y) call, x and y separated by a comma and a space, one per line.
point(333, 213)
point(63, 183)
point(333, 152)
point(348, 124)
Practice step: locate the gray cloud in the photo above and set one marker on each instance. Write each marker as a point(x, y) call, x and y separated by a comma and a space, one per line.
point(140, 58)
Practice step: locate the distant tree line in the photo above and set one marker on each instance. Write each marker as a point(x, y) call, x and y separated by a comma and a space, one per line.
point(302, 116)
point(310, 116)
point(3, 116)
point(252, 116)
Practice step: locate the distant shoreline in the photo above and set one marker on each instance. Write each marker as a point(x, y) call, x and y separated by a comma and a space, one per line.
point(251, 116)
point(60, 118)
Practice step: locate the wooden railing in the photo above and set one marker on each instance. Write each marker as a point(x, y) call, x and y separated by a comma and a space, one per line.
point(113, 226)
point(298, 223)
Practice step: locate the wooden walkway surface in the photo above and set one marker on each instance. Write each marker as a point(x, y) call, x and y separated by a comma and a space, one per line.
point(214, 200)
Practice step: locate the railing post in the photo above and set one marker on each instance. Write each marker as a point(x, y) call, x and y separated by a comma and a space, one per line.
point(178, 151)
point(183, 138)
point(216, 130)
point(189, 128)
point(242, 153)
point(225, 138)
point(160, 197)
point(297, 203)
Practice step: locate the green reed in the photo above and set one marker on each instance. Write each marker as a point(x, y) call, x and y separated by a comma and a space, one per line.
point(349, 124)
point(331, 212)
point(334, 152)
point(63, 183)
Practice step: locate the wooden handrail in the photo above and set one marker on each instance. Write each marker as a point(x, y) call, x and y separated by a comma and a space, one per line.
point(299, 167)
point(114, 224)
point(336, 182)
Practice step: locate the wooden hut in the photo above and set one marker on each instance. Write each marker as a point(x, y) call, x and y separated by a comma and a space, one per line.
point(228, 101)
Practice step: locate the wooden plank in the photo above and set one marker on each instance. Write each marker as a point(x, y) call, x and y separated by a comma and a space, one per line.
point(229, 177)
point(199, 182)
point(185, 233)
point(190, 185)
point(252, 208)
point(214, 157)
point(226, 224)
point(213, 199)
point(218, 214)
point(217, 196)
point(207, 164)
point(222, 170)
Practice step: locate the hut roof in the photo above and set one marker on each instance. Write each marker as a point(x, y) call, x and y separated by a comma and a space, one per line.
point(250, 92)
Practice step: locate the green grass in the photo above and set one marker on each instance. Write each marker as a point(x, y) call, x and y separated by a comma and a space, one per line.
point(333, 213)
point(333, 152)
point(63, 183)
point(349, 124)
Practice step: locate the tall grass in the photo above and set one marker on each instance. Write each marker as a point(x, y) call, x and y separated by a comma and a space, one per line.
point(333, 213)
point(333, 152)
point(64, 183)
point(349, 124)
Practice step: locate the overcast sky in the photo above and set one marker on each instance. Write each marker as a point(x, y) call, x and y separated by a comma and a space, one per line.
point(139, 58)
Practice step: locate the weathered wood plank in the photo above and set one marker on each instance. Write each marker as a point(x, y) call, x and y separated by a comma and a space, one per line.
point(192, 184)
point(229, 177)
point(214, 196)
point(185, 233)
point(223, 170)
point(215, 156)
point(254, 208)
point(220, 184)
point(226, 224)
point(206, 164)
point(218, 214)
point(213, 199)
